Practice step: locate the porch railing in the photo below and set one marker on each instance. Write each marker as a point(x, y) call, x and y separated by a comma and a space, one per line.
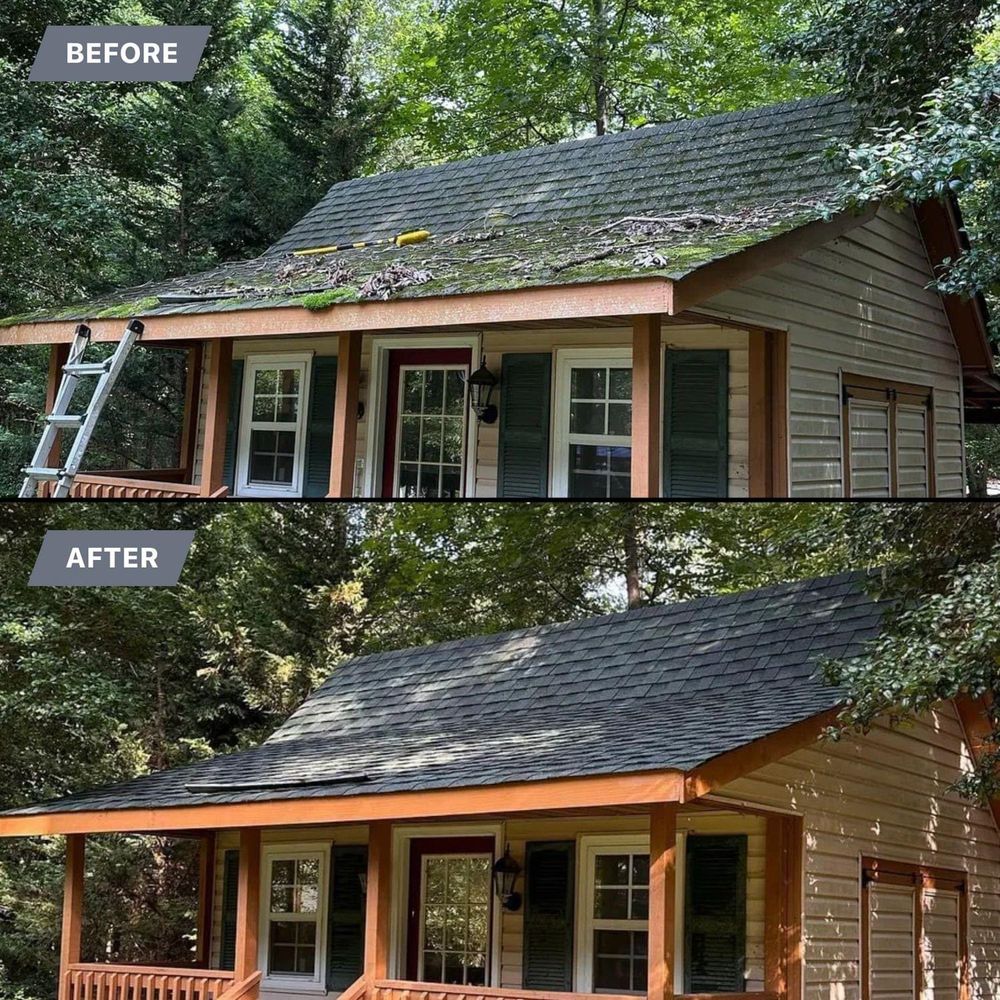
point(397, 989)
point(97, 981)
point(156, 484)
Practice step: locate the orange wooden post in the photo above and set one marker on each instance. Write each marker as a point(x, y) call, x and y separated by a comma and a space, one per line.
point(248, 904)
point(646, 408)
point(220, 367)
point(345, 415)
point(206, 897)
point(768, 413)
point(192, 396)
point(72, 921)
point(378, 901)
point(662, 886)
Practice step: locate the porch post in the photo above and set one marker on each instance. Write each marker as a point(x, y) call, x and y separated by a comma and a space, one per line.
point(768, 412)
point(783, 845)
point(206, 894)
point(646, 397)
point(662, 886)
point(248, 904)
point(378, 901)
point(345, 414)
point(220, 367)
point(192, 393)
point(72, 920)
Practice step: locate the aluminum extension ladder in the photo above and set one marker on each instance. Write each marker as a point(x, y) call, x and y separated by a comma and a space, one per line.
point(60, 418)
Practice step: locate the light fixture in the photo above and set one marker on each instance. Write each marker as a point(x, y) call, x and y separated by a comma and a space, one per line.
point(481, 384)
point(505, 872)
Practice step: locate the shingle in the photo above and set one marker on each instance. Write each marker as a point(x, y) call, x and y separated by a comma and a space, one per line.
point(627, 692)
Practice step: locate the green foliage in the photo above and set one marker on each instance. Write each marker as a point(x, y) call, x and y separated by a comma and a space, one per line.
point(323, 300)
point(982, 457)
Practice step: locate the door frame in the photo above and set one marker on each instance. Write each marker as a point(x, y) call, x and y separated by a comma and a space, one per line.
point(401, 837)
point(377, 398)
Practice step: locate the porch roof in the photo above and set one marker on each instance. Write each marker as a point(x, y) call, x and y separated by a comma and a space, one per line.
point(658, 689)
point(561, 214)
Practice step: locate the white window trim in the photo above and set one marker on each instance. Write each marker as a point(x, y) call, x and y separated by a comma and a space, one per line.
point(294, 852)
point(588, 847)
point(253, 363)
point(375, 408)
point(565, 359)
point(469, 417)
point(401, 837)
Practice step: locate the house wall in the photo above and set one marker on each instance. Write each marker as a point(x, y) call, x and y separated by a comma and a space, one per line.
point(859, 304)
point(887, 795)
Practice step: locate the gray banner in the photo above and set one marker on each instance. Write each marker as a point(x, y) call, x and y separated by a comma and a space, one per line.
point(111, 558)
point(119, 53)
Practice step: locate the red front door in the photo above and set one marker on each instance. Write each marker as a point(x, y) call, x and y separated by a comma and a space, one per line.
point(449, 910)
point(426, 423)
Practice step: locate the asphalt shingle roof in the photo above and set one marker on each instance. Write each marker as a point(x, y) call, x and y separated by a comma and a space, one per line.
point(666, 687)
point(549, 215)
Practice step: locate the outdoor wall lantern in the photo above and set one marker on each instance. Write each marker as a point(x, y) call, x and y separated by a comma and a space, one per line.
point(505, 873)
point(481, 384)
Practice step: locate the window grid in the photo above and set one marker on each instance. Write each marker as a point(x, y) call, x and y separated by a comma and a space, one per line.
point(293, 914)
point(600, 429)
point(620, 921)
point(430, 461)
point(273, 425)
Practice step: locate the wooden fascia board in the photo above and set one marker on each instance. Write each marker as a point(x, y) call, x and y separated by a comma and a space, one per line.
point(563, 793)
point(941, 230)
point(744, 760)
point(584, 301)
point(972, 714)
point(712, 279)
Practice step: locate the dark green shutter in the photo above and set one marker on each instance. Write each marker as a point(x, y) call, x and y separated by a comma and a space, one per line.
point(696, 424)
point(319, 431)
point(230, 889)
point(549, 878)
point(233, 425)
point(525, 386)
point(345, 953)
point(715, 918)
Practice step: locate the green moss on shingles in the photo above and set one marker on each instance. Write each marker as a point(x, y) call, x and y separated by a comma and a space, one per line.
point(126, 310)
point(323, 300)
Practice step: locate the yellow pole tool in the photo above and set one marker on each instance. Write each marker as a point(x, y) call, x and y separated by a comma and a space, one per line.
point(402, 240)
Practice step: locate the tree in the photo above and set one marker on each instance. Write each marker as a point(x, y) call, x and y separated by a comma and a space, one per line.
point(484, 76)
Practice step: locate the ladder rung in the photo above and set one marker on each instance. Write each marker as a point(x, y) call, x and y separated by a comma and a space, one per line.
point(37, 472)
point(65, 419)
point(87, 368)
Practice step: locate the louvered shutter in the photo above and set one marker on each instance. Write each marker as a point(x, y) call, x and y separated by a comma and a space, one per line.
point(871, 450)
point(715, 914)
point(696, 424)
point(525, 388)
point(345, 951)
point(319, 428)
point(232, 425)
point(548, 916)
point(230, 888)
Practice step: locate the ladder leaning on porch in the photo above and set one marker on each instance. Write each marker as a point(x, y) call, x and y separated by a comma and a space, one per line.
point(60, 418)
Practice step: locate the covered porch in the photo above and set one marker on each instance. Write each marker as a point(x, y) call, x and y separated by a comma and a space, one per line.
point(667, 900)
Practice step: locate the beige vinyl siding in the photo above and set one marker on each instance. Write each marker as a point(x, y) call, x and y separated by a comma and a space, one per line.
point(858, 304)
point(888, 795)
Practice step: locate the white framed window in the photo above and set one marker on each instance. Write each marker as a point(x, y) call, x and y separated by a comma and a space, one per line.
point(272, 438)
point(431, 430)
point(293, 916)
point(592, 424)
point(613, 926)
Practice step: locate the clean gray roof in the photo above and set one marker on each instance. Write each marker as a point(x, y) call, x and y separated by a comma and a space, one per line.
point(665, 687)
point(550, 215)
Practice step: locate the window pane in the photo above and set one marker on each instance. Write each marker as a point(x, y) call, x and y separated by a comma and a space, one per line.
point(282, 959)
point(282, 899)
point(412, 391)
point(308, 901)
point(307, 932)
point(434, 391)
point(263, 407)
point(640, 869)
point(407, 480)
point(282, 932)
point(428, 480)
point(434, 927)
point(265, 382)
point(458, 880)
point(640, 975)
point(453, 430)
point(621, 383)
point(434, 881)
point(288, 381)
point(611, 869)
point(640, 904)
point(587, 418)
point(620, 419)
point(621, 487)
point(283, 872)
point(264, 441)
point(589, 383)
point(451, 483)
point(430, 445)
point(283, 470)
point(306, 964)
point(588, 457)
point(611, 904)
point(454, 968)
point(288, 409)
point(612, 974)
point(454, 392)
point(480, 871)
point(432, 966)
point(285, 442)
point(409, 444)
point(611, 942)
point(588, 487)
point(476, 973)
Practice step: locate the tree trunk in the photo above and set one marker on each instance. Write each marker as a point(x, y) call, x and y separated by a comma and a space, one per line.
point(633, 564)
point(599, 66)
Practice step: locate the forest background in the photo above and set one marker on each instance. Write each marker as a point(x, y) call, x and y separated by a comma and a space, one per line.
point(110, 185)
